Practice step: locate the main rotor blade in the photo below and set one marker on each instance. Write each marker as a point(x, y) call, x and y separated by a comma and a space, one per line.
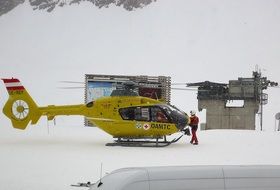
point(187, 89)
point(185, 84)
point(176, 83)
point(70, 87)
point(73, 82)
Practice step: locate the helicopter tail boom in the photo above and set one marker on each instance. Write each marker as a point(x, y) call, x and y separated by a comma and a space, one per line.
point(20, 107)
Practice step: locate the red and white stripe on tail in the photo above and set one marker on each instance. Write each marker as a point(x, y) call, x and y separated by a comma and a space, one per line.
point(13, 84)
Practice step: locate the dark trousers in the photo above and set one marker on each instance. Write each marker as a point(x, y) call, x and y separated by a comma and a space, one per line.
point(194, 137)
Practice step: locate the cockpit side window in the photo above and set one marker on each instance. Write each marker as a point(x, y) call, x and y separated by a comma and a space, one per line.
point(142, 114)
point(159, 115)
point(135, 113)
point(127, 113)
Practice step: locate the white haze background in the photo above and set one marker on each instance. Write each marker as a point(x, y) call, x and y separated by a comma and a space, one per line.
point(191, 41)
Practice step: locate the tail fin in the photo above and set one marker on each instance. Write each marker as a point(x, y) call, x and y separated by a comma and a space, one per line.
point(20, 107)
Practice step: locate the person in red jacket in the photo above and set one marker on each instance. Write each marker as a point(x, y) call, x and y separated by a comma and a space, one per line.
point(194, 120)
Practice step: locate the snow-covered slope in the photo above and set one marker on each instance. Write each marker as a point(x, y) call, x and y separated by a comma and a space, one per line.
point(63, 155)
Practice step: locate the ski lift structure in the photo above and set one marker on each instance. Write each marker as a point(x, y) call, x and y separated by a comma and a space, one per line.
point(217, 99)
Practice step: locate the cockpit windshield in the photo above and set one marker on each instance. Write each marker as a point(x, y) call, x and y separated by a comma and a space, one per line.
point(177, 116)
point(169, 109)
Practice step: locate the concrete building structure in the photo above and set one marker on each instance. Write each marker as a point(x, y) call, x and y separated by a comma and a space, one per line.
point(217, 99)
point(219, 116)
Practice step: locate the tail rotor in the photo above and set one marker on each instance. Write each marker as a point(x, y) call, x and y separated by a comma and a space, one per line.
point(20, 109)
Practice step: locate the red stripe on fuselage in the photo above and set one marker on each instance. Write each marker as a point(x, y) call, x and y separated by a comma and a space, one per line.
point(10, 80)
point(15, 88)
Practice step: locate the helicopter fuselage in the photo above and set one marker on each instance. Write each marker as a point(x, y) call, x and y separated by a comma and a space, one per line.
point(134, 117)
point(122, 116)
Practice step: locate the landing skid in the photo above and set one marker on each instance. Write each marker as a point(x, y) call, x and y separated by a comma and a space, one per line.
point(143, 143)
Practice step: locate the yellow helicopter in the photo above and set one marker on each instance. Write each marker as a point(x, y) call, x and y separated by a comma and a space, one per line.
point(132, 119)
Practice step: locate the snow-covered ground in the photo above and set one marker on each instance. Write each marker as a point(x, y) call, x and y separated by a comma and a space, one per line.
point(56, 157)
point(189, 40)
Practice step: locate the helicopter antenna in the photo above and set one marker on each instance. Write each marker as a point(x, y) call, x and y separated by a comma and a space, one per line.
point(257, 68)
point(100, 182)
point(48, 127)
point(101, 171)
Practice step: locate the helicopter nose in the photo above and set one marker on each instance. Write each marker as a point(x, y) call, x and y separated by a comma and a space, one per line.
point(182, 122)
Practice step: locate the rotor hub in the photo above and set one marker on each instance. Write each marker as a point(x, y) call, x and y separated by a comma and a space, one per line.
point(20, 109)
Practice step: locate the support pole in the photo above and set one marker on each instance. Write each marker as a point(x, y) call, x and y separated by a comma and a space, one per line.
point(261, 122)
